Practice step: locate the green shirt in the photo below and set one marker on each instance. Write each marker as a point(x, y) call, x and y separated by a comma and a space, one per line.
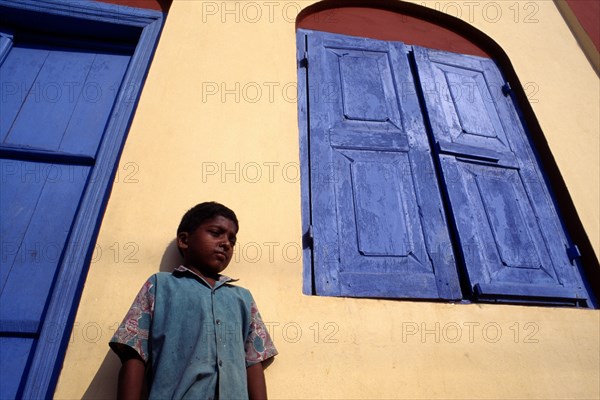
point(198, 339)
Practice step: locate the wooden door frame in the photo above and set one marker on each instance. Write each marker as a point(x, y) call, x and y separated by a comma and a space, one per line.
point(144, 27)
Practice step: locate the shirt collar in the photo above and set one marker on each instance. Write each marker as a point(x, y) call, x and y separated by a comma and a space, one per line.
point(222, 278)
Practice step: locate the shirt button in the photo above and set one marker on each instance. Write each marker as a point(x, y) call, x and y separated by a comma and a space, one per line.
point(218, 322)
point(220, 363)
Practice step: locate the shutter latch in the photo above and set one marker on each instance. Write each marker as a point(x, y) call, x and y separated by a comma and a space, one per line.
point(303, 62)
point(307, 238)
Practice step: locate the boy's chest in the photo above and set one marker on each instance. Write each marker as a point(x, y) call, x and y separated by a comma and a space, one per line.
point(197, 340)
point(190, 310)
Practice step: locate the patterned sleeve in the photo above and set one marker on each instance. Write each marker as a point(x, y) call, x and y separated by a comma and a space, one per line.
point(134, 330)
point(259, 345)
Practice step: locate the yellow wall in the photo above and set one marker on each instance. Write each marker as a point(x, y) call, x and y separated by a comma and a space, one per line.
point(184, 147)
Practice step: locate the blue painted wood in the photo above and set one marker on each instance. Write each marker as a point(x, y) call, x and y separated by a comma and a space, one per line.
point(364, 125)
point(14, 355)
point(22, 184)
point(362, 88)
point(82, 18)
point(378, 221)
point(31, 153)
point(304, 145)
point(69, 281)
point(105, 28)
point(73, 92)
point(26, 289)
point(17, 76)
point(510, 236)
point(51, 98)
point(6, 42)
point(93, 108)
point(326, 253)
point(465, 120)
point(518, 291)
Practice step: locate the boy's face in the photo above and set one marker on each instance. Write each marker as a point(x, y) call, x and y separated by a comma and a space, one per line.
point(210, 247)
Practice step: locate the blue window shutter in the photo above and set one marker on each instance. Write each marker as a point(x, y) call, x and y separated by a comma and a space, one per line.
point(378, 223)
point(64, 156)
point(55, 105)
point(72, 91)
point(14, 355)
point(512, 242)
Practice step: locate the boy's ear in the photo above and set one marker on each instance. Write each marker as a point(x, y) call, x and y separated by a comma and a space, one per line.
point(182, 240)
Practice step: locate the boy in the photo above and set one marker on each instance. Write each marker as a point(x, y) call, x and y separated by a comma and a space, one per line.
point(201, 336)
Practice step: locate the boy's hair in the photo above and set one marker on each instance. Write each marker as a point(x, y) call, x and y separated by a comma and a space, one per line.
point(196, 215)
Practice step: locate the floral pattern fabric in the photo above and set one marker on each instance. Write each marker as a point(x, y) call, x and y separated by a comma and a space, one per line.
point(259, 346)
point(135, 328)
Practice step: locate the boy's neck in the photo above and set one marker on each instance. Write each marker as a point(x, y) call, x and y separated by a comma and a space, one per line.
point(211, 279)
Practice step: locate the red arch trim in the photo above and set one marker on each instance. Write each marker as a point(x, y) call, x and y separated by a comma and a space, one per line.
point(388, 25)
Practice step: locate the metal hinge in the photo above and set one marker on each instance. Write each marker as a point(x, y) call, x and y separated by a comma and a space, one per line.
point(307, 238)
point(506, 89)
point(573, 253)
point(303, 62)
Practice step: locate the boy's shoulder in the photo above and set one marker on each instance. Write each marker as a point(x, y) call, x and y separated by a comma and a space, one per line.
point(160, 279)
point(232, 285)
point(157, 276)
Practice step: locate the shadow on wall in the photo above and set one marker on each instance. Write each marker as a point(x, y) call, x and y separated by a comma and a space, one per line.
point(171, 257)
point(104, 384)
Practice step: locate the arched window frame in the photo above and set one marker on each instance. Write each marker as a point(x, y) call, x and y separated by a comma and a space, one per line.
point(515, 90)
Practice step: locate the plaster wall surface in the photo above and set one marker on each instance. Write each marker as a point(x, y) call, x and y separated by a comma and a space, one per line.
point(218, 121)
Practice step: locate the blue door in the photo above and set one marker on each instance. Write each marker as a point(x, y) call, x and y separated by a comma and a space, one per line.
point(57, 97)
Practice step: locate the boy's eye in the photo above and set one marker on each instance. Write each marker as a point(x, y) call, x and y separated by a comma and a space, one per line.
point(218, 232)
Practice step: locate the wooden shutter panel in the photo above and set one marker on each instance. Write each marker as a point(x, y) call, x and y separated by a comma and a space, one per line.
point(54, 109)
point(378, 223)
point(512, 241)
point(72, 91)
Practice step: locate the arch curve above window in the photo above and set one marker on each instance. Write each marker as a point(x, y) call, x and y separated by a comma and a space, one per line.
point(384, 24)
